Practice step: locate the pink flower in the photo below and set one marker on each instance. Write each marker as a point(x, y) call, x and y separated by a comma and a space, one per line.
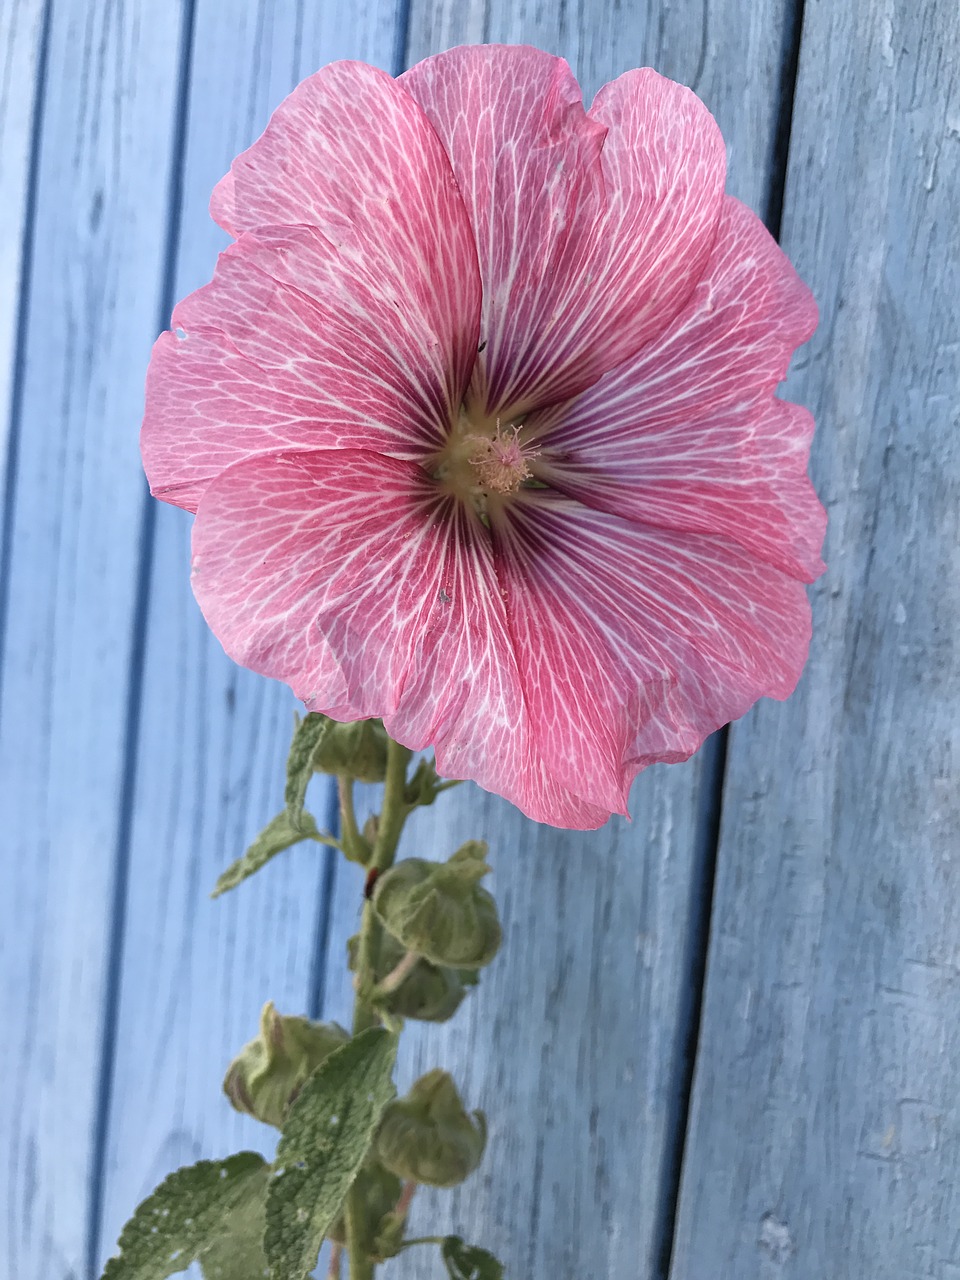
point(478, 418)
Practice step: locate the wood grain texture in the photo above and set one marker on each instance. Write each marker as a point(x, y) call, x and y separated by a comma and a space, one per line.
point(21, 55)
point(575, 1042)
point(730, 52)
point(104, 164)
point(825, 1137)
point(570, 1044)
point(195, 973)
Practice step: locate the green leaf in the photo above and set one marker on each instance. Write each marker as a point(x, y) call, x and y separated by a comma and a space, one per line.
point(277, 835)
point(468, 1262)
point(237, 1254)
point(307, 736)
point(327, 1134)
point(186, 1216)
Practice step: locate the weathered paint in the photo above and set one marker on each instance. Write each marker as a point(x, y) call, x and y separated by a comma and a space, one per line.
point(825, 1135)
point(135, 761)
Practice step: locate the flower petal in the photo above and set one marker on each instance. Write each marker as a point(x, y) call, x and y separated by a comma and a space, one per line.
point(295, 344)
point(592, 229)
point(347, 314)
point(689, 434)
point(343, 573)
point(635, 644)
point(349, 153)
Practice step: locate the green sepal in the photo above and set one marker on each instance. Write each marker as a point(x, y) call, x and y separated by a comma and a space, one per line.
point(468, 1261)
point(268, 1073)
point(357, 750)
point(427, 1136)
point(439, 910)
point(429, 993)
point(425, 785)
point(388, 1241)
point(326, 1138)
point(277, 835)
point(187, 1217)
point(308, 734)
point(379, 1191)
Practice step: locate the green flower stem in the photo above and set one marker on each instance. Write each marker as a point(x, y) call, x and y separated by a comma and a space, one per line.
point(406, 1199)
point(361, 1264)
point(392, 817)
point(350, 837)
point(395, 977)
point(395, 809)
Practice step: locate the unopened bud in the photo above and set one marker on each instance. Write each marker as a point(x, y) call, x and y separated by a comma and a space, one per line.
point(439, 910)
point(428, 993)
point(379, 1190)
point(269, 1072)
point(429, 1137)
point(357, 750)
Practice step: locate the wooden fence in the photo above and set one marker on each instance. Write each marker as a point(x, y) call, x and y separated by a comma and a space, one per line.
point(723, 1040)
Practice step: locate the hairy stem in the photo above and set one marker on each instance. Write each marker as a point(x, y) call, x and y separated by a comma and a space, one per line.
point(395, 808)
point(403, 1204)
point(392, 817)
point(350, 837)
point(397, 975)
point(361, 1264)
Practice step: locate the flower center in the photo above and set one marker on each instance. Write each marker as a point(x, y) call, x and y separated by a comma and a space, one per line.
point(483, 462)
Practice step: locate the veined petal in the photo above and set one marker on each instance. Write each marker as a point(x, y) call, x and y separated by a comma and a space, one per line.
point(343, 573)
point(347, 312)
point(349, 153)
point(634, 644)
point(295, 345)
point(689, 434)
point(592, 229)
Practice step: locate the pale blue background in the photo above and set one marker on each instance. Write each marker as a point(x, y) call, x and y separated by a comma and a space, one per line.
point(813, 982)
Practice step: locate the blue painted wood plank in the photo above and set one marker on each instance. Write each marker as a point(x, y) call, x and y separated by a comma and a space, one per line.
point(102, 181)
point(22, 51)
point(826, 1131)
point(575, 1042)
point(195, 972)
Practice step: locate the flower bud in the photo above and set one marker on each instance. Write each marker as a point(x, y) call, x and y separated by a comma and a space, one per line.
point(428, 1136)
point(429, 992)
point(269, 1072)
point(357, 750)
point(379, 1192)
point(439, 910)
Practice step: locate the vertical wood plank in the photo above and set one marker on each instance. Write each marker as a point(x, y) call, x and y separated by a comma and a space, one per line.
point(101, 197)
point(195, 973)
point(21, 66)
point(574, 1043)
point(826, 1129)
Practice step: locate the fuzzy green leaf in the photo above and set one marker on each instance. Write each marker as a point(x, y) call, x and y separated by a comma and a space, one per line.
point(326, 1136)
point(186, 1216)
point(277, 835)
point(468, 1262)
point(238, 1254)
point(307, 737)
